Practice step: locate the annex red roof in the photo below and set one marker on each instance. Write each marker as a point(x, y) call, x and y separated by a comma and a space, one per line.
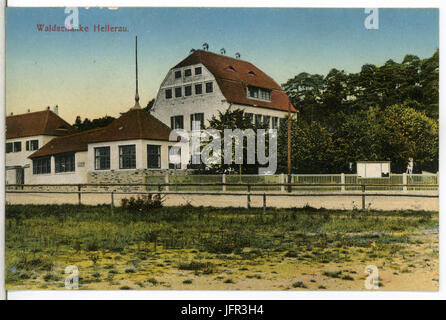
point(37, 123)
point(134, 124)
point(71, 143)
point(233, 77)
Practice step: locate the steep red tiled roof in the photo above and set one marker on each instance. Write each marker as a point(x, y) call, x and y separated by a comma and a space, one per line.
point(37, 123)
point(134, 124)
point(70, 143)
point(233, 77)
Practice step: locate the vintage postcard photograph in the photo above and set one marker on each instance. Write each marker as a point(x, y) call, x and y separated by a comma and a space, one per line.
point(276, 149)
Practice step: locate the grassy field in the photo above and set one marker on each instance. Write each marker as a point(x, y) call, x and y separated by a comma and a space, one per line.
point(230, 248)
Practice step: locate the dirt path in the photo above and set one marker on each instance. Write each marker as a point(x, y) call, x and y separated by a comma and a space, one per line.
point(330, 202)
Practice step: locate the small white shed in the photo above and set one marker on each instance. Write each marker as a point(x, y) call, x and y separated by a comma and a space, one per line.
point(373, 169)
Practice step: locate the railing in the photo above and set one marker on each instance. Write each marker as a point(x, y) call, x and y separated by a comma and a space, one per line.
point(247, 191)
point(393, 183)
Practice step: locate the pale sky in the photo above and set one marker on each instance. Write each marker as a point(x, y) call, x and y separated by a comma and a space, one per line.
point(91, 74)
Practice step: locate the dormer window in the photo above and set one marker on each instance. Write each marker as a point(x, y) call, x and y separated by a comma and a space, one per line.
point(251, 73)
point(230, 68)
point(259, 93)
point(62, 129)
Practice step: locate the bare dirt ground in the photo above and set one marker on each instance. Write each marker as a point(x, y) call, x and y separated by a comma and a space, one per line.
point(346, 202)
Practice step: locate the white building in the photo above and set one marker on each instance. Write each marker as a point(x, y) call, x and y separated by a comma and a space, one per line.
point(26, 133)
point(131, 147)
point(373, 169)
point(205, 83)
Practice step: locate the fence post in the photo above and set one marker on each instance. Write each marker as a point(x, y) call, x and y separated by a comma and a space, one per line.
point(363, 197)
point(249, 196)
point(223, 180)
point(282, 180)
point(166, 180)
point(342, 182)
point(79, 194)
point(112, 201)
point(264, 203)
point(404, 181)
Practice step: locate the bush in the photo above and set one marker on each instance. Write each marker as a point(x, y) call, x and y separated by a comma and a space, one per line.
point(195, 266)
point(299, 284)
point(142, 204)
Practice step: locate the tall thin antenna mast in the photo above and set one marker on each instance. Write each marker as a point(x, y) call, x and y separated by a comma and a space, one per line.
point(137, 106)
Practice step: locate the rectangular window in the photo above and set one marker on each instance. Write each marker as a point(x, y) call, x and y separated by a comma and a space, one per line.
point(64, 162)
point(265, 94)
point(153, 156)
point(102, 158)
point(178, 92)
point(249, 116)
point(266, 121)
point(253, 92)
point(32, 145)
point(275, 123)
point(127, 157)
point(198, 88)
point(187, 72)
point(209, 87)
point(177, 74)
point(197, 121)
point(42, 165)
point(17, 146)
point(9, 147)
point(259, 93)
point(197, 70)
point(188, 91)
point(258, 120)
point(176, 122)
point(168, 93)
point(174, 157)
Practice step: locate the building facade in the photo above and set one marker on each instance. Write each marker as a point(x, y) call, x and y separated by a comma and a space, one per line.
point(126, 151)
point(206, 83)
point(26, 133)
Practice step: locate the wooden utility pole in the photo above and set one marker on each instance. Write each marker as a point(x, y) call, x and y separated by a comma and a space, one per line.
point(289, 144)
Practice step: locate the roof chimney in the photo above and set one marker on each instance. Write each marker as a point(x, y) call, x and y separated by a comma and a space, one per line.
point(56, 109)
point(12, 113)
point(29, 110)
point(237, 55)
point(48, 108)
point(223, 51)
point(205, 46)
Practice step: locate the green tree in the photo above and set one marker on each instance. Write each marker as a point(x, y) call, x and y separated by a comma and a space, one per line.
point(234, 119)
point(311, 145)
point(305, 91)
point(149, 105)
point(88, 124)
point(411, 134)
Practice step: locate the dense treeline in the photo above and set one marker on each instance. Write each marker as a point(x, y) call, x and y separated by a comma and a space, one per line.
point(380, 113)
